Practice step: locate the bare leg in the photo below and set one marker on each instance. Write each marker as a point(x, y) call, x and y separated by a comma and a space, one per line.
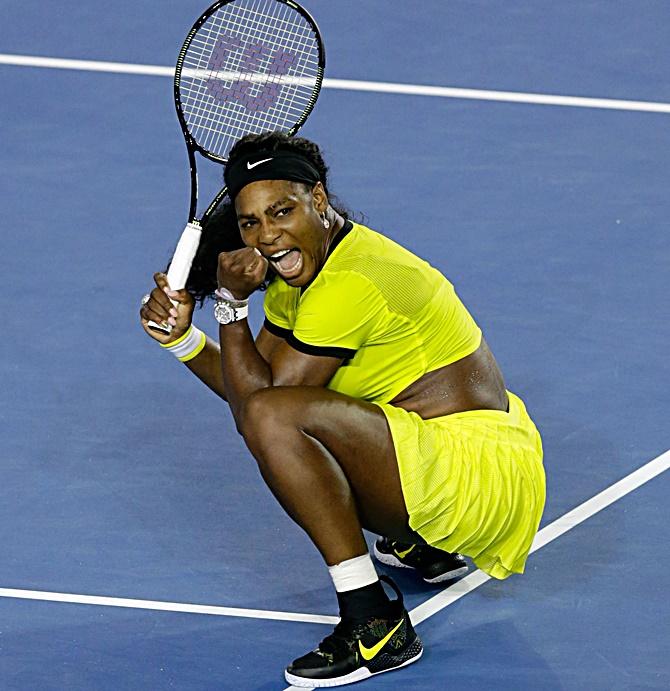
point(330, 462)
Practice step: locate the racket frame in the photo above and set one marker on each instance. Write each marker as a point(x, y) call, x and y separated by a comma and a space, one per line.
point(193, 146)
point(187, 247)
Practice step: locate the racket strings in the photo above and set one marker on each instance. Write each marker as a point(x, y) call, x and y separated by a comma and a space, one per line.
point(252, 66)
point(255, 23)
point(294, 36)
point(262, 27)
point(284, 105)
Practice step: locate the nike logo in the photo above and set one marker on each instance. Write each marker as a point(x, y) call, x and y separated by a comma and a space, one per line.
point(253, 165)
point(402, 555)
point(369, 653)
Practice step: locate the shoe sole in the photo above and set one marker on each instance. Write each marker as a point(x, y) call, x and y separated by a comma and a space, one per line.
point(358, 675)
point(392, 560)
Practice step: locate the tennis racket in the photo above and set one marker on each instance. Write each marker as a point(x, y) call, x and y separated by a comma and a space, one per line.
point(246, 67)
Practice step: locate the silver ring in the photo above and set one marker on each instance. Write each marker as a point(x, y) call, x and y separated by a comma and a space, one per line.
point(145, 299)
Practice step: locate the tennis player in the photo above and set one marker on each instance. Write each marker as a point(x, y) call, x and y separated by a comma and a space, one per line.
point(369, 399)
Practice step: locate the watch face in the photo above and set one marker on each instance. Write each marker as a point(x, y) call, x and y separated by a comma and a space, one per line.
point(223, 313)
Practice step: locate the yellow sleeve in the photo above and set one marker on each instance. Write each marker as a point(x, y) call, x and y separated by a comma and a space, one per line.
point(338, 313)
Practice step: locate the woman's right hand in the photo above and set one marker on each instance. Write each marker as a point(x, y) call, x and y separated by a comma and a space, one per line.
point(160, 309)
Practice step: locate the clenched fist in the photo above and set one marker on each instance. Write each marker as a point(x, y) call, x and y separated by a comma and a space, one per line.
point(241, 271)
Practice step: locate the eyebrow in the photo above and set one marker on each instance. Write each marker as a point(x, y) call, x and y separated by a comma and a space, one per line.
point(272, 206)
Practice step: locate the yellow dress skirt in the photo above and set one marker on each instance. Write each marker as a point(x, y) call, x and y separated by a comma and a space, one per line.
point(473, 482)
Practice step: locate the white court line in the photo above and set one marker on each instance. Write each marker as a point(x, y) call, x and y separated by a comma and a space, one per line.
point(504, 96)
point(86, 65)
point(166, 606)
point(548, 534)
point(420, 613)
point(355, 85)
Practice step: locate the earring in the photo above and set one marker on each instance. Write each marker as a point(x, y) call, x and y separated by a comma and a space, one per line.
point(326, 222)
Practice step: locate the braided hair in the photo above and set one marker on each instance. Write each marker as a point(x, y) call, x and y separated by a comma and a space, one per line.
point(221, 232)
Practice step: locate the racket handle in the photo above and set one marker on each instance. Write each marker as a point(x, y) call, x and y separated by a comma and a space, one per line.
point(180, 266)
point(183, 256)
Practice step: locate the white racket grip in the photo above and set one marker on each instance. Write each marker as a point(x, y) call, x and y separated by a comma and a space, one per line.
point(183, 256)
point(180, 266)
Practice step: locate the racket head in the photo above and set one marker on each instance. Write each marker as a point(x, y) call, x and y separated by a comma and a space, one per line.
point(246, 67)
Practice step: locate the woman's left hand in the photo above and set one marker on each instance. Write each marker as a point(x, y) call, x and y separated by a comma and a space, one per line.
point(241, 271)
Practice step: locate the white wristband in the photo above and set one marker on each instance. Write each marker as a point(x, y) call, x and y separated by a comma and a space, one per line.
point(189, 345)
point(225, 294)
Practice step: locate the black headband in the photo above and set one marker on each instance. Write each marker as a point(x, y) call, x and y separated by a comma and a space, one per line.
point(269, 165)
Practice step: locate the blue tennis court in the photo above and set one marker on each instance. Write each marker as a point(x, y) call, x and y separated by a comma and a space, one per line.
point(141, 548)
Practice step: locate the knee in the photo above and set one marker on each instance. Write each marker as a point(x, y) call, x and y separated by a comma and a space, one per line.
point(263, 419)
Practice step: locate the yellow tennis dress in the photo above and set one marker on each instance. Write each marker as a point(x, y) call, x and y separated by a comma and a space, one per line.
point(473, 482)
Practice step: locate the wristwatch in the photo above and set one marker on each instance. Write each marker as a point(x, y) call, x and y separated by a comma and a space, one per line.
point(229, 311)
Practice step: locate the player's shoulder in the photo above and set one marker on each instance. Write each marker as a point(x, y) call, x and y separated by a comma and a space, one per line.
point(356, 246)
point(360, 238)
point(356, 271)
point(363, 241)
point(367, 252)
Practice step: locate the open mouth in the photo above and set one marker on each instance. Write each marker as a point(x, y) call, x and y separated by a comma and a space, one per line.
point(287, 262)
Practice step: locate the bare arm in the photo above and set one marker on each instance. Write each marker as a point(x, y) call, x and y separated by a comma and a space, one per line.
point(207, 366)
point(247, 367)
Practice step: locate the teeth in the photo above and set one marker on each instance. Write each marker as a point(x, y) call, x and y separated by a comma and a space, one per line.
point(279, 255)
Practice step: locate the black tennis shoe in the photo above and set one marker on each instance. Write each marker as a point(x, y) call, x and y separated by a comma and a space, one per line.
point(357, 649)
point(434, 565)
